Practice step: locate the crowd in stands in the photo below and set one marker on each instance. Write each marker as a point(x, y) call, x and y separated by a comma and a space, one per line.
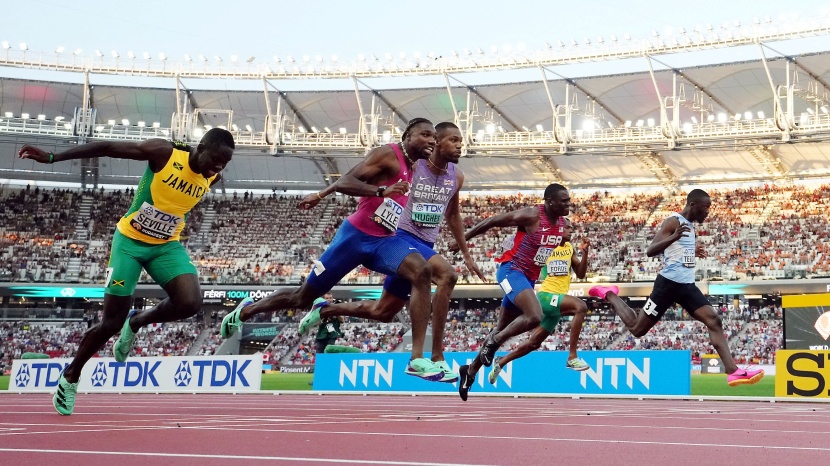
point(768, 231)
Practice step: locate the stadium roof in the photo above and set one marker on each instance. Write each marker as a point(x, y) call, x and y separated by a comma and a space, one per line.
point(751, 120)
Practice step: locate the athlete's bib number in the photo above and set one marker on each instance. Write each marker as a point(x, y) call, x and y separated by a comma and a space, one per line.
point(650, 308)
point(688, 258)
point(388, 214)
point(558, 268)
point(155, 223)
point(542, 255)
point(427, 215)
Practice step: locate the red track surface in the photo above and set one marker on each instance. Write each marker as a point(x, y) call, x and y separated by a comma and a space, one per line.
point(308, 429)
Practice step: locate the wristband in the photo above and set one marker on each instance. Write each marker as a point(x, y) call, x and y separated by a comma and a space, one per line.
point(51, 157)
point(319, 196)
point(381, 189)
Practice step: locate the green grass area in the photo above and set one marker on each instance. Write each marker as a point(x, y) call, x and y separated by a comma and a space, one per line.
point(712, 385)
point(277, 381)
point(715, 385)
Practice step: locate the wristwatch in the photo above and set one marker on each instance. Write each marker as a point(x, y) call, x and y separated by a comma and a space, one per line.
point(381, 189)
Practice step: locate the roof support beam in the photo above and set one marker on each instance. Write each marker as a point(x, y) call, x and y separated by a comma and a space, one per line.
point(581, 89)
point(698, 86)
point(487, 102)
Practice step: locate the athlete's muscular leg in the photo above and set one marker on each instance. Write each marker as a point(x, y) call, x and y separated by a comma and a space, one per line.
point(537, 337)
point(637, 323)
point(506, 316)
point(574, 307)
point(286, 298)
point(184, 299)
point(709, 317)
point(445, 278)
point(418, 272)
point(115, 312)
point(531, 316)
point(382, 310)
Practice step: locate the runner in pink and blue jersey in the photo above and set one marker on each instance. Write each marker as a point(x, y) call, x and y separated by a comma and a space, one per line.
point(367, 237)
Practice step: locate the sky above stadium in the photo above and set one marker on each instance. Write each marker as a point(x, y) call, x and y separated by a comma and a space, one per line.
point(264, 29)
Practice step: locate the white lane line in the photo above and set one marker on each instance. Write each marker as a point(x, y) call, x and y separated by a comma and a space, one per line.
point(227, 457)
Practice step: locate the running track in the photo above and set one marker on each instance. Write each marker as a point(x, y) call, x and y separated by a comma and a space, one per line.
point(405, 430)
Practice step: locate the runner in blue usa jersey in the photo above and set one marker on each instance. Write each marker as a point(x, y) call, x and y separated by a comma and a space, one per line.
point(539, 231)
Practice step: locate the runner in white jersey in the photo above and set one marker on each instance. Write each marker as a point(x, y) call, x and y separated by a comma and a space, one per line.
point(675, 284)
point(436, 182)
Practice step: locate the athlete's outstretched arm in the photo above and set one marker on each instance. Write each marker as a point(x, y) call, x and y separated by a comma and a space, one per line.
point(669, 232)
point(580, 266)
point(380, 163)
point(151, 150)
point(456, 226)
point(527, 217)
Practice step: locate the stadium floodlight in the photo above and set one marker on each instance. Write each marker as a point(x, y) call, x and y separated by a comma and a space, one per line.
point(326, 129)
point(208, 127)
point(313, 129)
point(525, 129)
point(217, 58)
point(760, 115)
point(67, 126)
point(810, 110)
point(588, 125)
point(41, 117)
point(77, 52)
point(694, 119)
point(187, 58)
point(162, 56)
point(235, 128)
point(687, 128)
point(804, 118)
point(249, 129)
point(710, 118)
point(146, 55)
point(639, 123)
point(721, 117)
point(737, 116)
point(301, 129)
point(234, 58)
point(59, 118)
point(9, 115)
point(60, 49)
point(540, 128)
point(823, 109)
point(747, 115)
point(202, 58)
point(141, 124)
point(252, 58)
point(651, 122)
point(99, 128)
point(6, 45)
point(501, 130)
point(125, 122)
point(111, 122)
point(156, 125)
point(115, 54)
point(387, 136)
point(198, 133)
point(627, 123)
point(25, 116)
point(491, 128)
point(99, 53)
point(23, 46)
point(343, 130)
point(131, 55)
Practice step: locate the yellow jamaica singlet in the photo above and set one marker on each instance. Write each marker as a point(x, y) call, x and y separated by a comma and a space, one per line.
point(163, 200)
point(557, 270)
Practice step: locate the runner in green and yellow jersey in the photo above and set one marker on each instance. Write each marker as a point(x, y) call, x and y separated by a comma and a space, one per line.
point(147, 236)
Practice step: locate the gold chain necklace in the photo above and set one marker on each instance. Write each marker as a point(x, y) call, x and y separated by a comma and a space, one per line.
point(442, 170)
point(406, 155)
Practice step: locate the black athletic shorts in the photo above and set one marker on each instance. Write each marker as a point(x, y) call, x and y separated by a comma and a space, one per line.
point(667, 292)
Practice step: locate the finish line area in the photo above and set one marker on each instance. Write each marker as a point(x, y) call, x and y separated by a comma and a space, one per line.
point(406, 430)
